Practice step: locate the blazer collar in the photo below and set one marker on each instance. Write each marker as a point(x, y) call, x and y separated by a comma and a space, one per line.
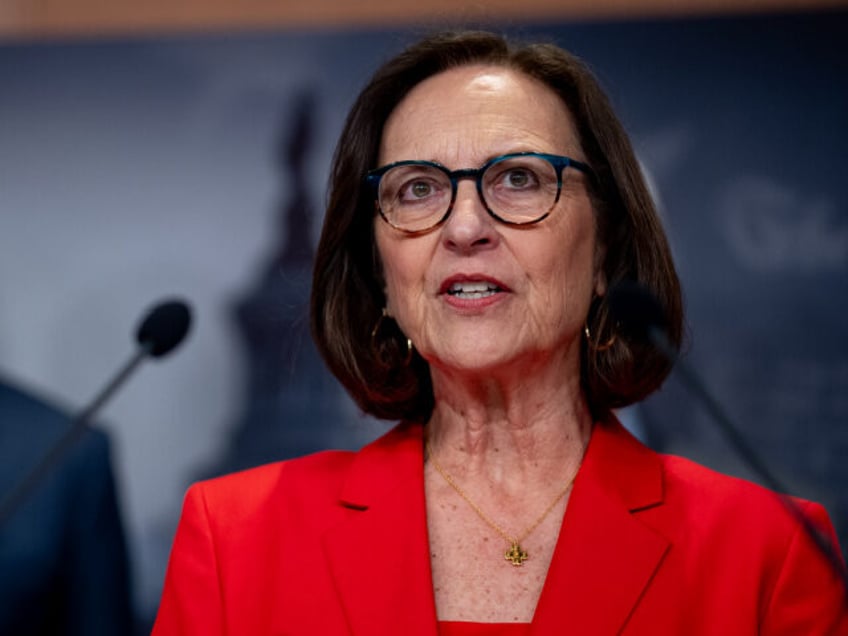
point(379, 556)
point(380, 561)
point(603, 550)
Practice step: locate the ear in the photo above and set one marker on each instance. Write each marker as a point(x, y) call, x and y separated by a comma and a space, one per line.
point(600, 282)
point(377, 273)
point(388, 305)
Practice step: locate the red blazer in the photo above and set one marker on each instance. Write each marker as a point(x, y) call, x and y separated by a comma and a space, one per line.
point(336, 543)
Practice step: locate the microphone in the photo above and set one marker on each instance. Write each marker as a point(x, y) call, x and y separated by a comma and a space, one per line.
point(164, 327)
point(640, 315)
point(162, 330)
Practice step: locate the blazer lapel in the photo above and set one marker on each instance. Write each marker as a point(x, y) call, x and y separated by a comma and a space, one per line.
point(605, 557)
point(379, 555)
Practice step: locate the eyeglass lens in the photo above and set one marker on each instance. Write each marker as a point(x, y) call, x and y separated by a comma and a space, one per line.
point(517, 189)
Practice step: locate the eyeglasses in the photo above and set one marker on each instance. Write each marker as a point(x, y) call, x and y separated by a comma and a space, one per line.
point(517, 189)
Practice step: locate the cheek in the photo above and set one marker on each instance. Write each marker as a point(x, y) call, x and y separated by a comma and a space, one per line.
point(387, 258)
point(394, 291)
point(402, 273)
point(570, 273)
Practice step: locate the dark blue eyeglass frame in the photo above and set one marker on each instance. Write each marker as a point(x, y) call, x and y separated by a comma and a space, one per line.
point(559, 163)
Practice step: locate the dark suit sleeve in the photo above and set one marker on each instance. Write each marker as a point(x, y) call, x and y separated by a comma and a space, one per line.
point(808, 598)
point(63, 560)
point(96, 573)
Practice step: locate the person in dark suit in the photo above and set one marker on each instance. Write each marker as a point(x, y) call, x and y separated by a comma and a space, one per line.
point(484, 200)
point(63, 558)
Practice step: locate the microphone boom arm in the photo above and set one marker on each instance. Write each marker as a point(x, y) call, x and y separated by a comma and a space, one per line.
point(736, 439)
point(79, 425)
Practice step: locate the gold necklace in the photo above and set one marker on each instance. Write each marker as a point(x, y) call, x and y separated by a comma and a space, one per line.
point(515, 554)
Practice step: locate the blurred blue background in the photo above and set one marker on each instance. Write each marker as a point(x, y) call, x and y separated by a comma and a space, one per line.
point(136, 168)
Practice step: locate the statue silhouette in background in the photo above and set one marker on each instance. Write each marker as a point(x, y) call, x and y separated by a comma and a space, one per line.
point(292, 405)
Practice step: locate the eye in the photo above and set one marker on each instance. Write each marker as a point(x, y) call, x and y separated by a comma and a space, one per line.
point(413, 184)
point(515, 178)
point(416, 190)
point(421, 189)
point(519, 178)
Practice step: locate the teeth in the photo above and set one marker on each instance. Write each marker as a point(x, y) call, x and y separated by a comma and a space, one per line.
point(472, 289)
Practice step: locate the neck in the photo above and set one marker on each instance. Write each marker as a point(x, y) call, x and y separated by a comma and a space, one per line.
point(519, 428)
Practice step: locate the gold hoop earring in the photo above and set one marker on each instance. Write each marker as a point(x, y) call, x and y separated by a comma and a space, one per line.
point(595, 346)
point(376, 349)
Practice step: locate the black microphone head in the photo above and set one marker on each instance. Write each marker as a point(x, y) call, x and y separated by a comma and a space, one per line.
point(635, 310)
point(164, 327)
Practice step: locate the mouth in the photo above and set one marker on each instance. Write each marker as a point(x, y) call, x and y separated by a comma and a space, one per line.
point(472, 287)
point(470, 290)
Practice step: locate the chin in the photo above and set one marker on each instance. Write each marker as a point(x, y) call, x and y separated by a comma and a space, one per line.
point(473, 359)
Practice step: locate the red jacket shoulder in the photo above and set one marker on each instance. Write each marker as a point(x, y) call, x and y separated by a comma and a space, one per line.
point(712, 491)
point(312, 482)
point(717, 507)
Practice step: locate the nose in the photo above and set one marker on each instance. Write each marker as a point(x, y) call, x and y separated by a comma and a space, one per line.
point(469, 227)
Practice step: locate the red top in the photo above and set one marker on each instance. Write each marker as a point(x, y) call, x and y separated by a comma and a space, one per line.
point(457, 628)
point(651, 545)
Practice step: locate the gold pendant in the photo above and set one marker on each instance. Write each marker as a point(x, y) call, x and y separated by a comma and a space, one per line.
point(515, 555)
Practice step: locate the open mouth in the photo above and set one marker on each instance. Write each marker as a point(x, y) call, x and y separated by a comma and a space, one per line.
point(471, 291)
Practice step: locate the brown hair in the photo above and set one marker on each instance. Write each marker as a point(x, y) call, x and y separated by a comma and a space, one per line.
point(369, 356)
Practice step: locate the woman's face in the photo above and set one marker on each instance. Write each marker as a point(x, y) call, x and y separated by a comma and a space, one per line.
point(539, 279)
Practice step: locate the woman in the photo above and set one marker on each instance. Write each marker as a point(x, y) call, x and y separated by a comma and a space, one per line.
point(484, 199)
